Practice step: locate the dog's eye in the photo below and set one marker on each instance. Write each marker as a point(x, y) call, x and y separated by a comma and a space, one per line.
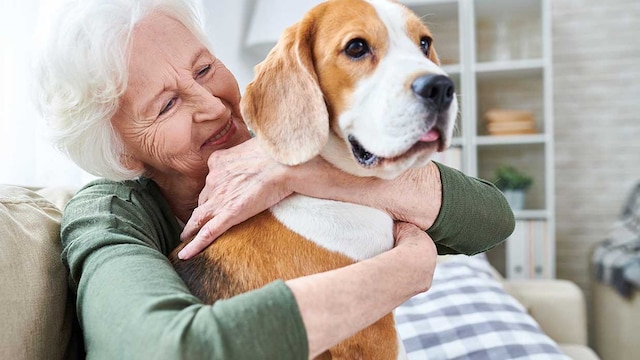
point(356, 48)
point(425, 45)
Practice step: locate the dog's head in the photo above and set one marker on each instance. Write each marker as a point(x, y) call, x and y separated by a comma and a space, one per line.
point(359, 83)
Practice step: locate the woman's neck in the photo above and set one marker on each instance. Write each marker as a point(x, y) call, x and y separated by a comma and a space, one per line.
point(181, 193)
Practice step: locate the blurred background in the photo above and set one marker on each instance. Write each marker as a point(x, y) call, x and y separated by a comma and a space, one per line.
point(550, 111)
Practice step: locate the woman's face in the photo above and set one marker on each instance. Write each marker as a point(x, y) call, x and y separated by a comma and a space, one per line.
point(181, 103)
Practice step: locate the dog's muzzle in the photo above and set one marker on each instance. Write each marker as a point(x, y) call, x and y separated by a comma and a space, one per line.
point(436, 93)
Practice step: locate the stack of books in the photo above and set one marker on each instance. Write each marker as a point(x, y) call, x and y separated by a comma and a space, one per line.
point(510, 122)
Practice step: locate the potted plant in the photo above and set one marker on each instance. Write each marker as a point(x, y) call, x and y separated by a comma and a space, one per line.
point(513, 183)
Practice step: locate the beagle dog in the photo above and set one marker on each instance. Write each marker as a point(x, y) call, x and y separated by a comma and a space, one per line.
point(358, 83)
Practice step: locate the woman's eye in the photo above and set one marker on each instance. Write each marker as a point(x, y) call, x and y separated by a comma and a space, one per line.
point(203, 71)
point(168, 106)
point(357, 48)
point(425, 45)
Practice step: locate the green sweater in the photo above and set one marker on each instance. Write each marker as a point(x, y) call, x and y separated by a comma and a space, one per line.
point(131, 304)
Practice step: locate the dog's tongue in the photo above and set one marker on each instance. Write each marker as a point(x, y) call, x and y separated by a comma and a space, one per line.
point(431, 135)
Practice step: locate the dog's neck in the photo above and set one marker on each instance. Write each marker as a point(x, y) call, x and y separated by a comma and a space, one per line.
point(357, 231)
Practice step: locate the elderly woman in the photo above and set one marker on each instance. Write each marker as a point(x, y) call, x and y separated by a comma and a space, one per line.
point(139, 99)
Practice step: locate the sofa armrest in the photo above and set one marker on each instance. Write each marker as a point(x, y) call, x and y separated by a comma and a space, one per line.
point(557, 305)
point(37, 311)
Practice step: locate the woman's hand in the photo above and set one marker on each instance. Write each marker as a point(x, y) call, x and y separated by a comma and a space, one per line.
point(242, 182)
point(419, 244)
point(337, 303)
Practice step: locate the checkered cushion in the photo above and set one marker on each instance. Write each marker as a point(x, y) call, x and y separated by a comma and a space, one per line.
point(617, 258)
point(467, 315)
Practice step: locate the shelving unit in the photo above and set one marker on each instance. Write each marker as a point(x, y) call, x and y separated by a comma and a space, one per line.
point(498, 52)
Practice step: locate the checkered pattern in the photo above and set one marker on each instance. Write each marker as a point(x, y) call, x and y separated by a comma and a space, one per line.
point(467, 315)
point(617, 258)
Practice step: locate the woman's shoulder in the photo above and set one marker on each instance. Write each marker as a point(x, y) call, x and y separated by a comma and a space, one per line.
point(124, 189)
point(139, 197)
point(133, 209)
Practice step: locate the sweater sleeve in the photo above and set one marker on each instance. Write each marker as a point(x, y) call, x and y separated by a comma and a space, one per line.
point(132, 304)
point(474, 216)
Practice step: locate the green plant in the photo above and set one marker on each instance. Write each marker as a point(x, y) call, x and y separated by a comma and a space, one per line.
point(509, 178)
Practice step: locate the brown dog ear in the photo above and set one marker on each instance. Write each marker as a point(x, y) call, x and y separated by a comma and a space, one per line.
point(284, 105)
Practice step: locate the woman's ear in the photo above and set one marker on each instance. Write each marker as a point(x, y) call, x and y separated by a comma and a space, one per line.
point(284, 104)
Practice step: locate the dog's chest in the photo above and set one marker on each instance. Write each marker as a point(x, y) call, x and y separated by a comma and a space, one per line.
point(356, 231)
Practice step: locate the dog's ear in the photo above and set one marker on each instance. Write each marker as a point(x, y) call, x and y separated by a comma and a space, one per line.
point(284, 105)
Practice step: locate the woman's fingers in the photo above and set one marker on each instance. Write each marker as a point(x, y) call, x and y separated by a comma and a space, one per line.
point(207, 223)
point(420, 253)
point(404, 231)
point(200, 216)
point(223, 208)
point(213, 228)
point(242, 182)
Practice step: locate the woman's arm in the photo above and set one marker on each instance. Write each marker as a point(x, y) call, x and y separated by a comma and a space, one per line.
point(415, 196)
point(132, 304)
point(336, 304)
point(461, 213)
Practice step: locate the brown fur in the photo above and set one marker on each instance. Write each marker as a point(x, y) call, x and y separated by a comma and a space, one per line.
point(261, 250)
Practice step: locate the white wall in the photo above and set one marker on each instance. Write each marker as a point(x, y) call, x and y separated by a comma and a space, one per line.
point(597, 122)
point(226, 22)
point(26, 154)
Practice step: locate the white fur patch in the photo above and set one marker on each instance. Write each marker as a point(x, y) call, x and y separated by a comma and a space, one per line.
point(356, 231)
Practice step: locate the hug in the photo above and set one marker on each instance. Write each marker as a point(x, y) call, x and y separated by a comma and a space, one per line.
point(320, 226)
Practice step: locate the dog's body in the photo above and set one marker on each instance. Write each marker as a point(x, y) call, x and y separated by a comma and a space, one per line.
point(357, 83)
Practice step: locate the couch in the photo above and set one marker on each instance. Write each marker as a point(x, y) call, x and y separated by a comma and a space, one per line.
point(615, 323)
point(39, 316)
point(615, 285)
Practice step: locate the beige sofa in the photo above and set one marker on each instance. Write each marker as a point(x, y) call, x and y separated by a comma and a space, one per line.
point(38, 313)
point(559, 308)
point(615, 323)
point(615, 296)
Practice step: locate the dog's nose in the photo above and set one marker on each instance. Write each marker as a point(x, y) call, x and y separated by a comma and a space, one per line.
point(438, 90)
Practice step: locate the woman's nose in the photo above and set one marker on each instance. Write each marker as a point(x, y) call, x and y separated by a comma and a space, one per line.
point(208, 107)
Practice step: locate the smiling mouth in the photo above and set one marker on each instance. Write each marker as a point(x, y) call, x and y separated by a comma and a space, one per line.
point(368, 159)
point(220, 135)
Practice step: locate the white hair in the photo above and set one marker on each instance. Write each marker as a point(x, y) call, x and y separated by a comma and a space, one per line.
point(82, 73)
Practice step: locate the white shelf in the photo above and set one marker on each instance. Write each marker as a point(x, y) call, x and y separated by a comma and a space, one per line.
point(531, 214)
point(513, 68)
point(412, 3)
point(511, 139)
point(468, 35)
